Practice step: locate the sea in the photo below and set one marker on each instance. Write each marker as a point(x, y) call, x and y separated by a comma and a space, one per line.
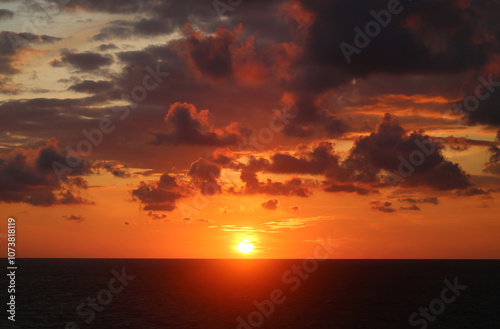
point(248, 293)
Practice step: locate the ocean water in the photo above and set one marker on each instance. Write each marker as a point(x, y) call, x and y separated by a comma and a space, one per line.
point(334, 294)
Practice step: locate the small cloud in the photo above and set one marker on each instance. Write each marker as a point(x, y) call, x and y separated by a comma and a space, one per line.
point(431, 200)
point(205, 220)
point(384, 207)
point(472, 191)
point(295, 208)
point(270, 204)
point(77, 219)
point(412, 207)
point(156, 216)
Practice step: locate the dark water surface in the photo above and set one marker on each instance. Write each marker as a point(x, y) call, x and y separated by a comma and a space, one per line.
point(338, 294)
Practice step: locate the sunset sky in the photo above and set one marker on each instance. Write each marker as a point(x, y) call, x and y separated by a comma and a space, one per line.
point(177, 129)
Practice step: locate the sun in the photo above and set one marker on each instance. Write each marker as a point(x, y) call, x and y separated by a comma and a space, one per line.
point(245, 246)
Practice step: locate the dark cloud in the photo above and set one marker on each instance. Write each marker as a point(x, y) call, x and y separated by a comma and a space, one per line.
point(12, 43)
point(211, 55)
point(351, 188)
point(78, 182)
point(111, 6)
point(153, 26)
point(472, 191)
point(293, 186)
point(83, 62)
point(107, 46)
point(206, 175)
point(391, 149)
point(160, 195)
point(156, 17)
point(270, 204)
point(432, 200)
point(43, 118)
point(484, 111)
point(493, 164)
point(116, 169)
point(312, 119)
point(92, 87)
point(28, 176)
point(118, 29)
point(412, 207)
point(156, 216)
point(75, 218)
point(426, 38)
point(193, 128)
point(319, 160)
point(6, 14)
point(382, 206)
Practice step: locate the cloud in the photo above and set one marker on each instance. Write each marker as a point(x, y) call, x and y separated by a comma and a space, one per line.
point(319, 160)
point(6, 14)
point(425, 38)
point(472, 191)
point(206, 175)
point(248, 174)
point(293, 186)
point(107, 46)
point(211, 55)
point(156, 216)
point(28, 176)
point(117, 29)
point(92, 87)
point(390, 146)
point(160, 195)
point(493, 164)
point(312, 119)
point(116, 169)
point(270, 204)
point(12, 45)
point(156, 17)
point(432, 200)
point(83, 62)
point(190, 127)
point(485, 111)
point(382, 206)
point(199, 220)
point(412, 207)
point(351, 188)
point(75, 218)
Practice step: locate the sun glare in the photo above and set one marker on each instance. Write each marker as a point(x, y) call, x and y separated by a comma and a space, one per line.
point(245, 246)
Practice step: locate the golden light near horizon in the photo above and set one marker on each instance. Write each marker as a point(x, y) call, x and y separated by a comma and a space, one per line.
point(245, 246)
